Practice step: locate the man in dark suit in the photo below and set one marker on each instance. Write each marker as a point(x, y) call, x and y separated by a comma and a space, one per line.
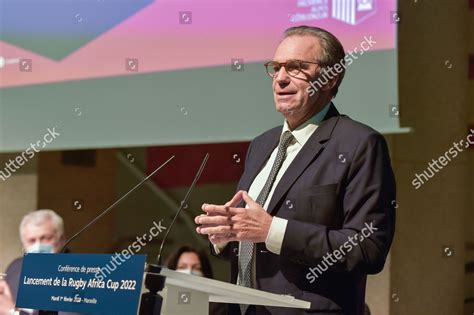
point(314, 211)
point(41, 231)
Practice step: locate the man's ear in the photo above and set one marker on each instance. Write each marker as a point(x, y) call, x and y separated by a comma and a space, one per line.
point(332, 82)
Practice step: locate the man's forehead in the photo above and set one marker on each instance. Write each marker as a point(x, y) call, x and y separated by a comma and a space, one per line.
point(46, 226)
point(297, 47)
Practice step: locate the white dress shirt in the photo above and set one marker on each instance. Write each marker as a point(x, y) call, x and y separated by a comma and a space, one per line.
point(301, 134)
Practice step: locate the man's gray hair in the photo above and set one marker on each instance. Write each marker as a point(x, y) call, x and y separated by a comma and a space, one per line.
point(39, 217)
point(332, 49)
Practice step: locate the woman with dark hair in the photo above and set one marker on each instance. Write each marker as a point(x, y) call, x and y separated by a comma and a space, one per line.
point(192, 261)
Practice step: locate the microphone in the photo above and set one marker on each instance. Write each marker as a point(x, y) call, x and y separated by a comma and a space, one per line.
point(113, 205)
point(151, 302)
point(183, 203)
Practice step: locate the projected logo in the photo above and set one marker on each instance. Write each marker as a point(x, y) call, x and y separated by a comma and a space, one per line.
point(352, 11)
point(56, 28)
point(349, 11)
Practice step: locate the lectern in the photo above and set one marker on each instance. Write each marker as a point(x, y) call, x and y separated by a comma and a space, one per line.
point(189, 294)
point(85, 283)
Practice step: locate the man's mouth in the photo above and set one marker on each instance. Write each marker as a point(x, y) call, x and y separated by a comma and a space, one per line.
point(283, 94)
point(286, 93)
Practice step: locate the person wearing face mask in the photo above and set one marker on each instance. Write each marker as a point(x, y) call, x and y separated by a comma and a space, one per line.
point(189, 260)
point(41, 231)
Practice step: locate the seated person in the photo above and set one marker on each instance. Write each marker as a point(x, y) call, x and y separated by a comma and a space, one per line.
point(189, 260)
point(41, 231)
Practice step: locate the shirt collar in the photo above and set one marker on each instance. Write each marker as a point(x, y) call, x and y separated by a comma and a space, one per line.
point(306, 129)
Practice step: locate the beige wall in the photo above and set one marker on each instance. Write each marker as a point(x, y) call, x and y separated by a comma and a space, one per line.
point(17, 197)
point(378, 293)
point(432, 101)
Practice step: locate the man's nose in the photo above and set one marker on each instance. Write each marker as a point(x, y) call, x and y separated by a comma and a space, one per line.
point(282, 77)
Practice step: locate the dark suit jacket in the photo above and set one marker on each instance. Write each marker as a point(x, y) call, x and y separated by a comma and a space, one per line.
point(339, 181)
point(13, 279)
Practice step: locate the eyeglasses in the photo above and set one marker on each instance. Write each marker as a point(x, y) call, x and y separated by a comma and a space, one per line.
point(293, 67)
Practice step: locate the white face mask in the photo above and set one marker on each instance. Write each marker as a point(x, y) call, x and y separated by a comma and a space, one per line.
point(40, 248)
point(189, 271)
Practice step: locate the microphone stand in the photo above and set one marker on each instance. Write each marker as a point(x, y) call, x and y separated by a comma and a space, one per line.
point(63, 249)
point(113, 205)
point(151, 301)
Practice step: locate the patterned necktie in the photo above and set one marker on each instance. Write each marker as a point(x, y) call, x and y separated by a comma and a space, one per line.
point(247, 248)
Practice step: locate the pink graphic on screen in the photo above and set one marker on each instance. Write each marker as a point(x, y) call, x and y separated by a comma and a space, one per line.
point(171, 35)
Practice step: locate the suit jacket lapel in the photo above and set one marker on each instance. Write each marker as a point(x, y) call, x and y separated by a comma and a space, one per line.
point(261, 155)
point(308, 153)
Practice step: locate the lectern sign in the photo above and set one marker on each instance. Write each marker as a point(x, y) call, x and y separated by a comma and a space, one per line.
point(82, 283)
